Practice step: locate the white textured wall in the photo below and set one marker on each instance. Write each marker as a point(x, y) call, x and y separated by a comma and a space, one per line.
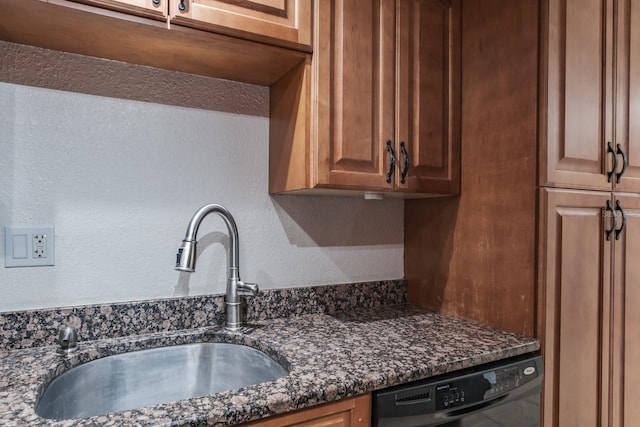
point(119, 180)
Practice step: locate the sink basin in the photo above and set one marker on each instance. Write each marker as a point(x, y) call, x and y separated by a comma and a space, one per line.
point(147, 377)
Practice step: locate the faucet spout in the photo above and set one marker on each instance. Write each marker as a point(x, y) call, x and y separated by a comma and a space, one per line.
point(186, 261)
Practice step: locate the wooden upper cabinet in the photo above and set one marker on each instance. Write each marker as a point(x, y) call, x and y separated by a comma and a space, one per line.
point(155, 9)
point(282, 22)
point(354, 85)
point(428, 122)
point(591, 136)
point(376, 108)
point(578, 94)
point(626, 327)
point(627, 130)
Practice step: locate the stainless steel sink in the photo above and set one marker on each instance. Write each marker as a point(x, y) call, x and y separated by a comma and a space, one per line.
point(147, 377)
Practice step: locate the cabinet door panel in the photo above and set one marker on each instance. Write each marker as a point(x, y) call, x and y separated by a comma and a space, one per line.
point(628, 90)
point(428, 104)
point(284, 22)
point(579, 93)
point(146, 8)
point(351, 412)
point(354, 87)
point(626, 330)
point(576, 297)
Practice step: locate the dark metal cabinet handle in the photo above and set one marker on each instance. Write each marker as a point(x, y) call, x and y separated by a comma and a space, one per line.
point(405, 167)
point(392, 162)
point(624, 219)
point(615, 161)
point(181, 6)
point(620, 152)
point(156, 2)
point(609, 209)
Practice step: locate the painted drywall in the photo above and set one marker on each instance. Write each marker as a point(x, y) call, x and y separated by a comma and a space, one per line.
point(119, 180)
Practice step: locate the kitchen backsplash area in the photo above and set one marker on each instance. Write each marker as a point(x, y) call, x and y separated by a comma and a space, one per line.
point(118, 157)
point(31, 328)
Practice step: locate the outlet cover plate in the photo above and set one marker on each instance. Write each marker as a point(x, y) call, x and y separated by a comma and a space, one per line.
point(29, 246)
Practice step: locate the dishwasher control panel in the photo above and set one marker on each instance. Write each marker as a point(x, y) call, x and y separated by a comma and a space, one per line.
point(510, 386)
point(483, 385)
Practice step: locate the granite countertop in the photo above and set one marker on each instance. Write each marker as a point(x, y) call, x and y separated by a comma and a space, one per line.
point(330, 356)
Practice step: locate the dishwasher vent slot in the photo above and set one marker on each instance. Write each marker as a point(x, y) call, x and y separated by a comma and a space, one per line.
point(413, 397)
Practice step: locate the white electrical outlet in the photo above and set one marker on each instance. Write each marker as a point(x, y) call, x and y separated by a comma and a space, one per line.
point(27, 247)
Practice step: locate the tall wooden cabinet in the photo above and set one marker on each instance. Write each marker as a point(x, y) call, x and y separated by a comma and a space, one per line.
point(626, 316)
point(577, 296)
point(376, 108)
point(589, 140)
point(589, 301)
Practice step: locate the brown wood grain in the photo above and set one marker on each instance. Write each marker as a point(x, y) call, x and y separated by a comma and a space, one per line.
point(290, 164)
point(354, 89)
point(428, 95)
point(474, 256)
point(72, 27)
point(288, 24)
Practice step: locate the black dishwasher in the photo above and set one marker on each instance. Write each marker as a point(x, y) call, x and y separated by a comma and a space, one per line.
point(498, 394)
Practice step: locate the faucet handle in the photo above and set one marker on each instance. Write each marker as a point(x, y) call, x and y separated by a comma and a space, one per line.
point(67, 340)
point(248, 289)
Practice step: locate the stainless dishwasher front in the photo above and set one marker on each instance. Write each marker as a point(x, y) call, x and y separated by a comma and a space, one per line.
point(499, 394)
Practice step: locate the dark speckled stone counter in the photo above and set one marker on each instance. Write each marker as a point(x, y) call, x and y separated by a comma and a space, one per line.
point(330, 356)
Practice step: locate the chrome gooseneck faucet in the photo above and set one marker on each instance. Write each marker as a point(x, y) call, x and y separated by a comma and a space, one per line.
point(186, 261)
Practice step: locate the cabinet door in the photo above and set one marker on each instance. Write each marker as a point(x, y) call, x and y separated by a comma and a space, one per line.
point(354, 412)
point(157, 9)
point(428, 95)
point(626, 303)
point(282, 22)
point(575, 300)
point(578, 94)
point(628, 93)
point(353, 92)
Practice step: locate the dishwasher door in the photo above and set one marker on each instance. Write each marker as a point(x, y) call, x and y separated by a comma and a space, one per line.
point(500, 394)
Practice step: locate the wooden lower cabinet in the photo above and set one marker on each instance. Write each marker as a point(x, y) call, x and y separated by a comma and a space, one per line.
point(351, 412)
point(589, 307)
point(576, 282)
point(626, 314)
